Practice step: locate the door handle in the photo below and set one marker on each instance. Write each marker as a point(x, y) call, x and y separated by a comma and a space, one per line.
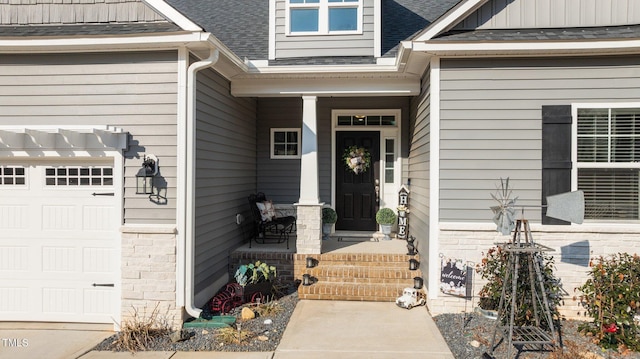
point(103, 284)
point(377, 189)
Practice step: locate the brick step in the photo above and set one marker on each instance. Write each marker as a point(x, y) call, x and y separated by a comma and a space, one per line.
point(361, 258)
point(352, 292)
point(336, 273)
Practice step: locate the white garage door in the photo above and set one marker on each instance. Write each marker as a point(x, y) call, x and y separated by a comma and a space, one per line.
point(58, 241)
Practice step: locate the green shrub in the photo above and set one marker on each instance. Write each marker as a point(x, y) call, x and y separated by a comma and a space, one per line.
point(493, 268)
point(329, 215)
point(611, 296)
point(386, 216)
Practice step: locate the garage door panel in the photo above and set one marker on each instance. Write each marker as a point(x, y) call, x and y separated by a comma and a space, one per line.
point(14, 258)
point(56, 241)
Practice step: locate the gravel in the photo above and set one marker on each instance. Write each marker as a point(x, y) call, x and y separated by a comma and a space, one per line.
point(263, 337)
point(469, 337)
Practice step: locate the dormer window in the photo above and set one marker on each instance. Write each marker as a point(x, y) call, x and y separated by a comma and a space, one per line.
point(312, 17)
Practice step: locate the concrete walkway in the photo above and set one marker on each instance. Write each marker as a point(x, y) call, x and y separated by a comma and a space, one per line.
point(354, 330)
point(317, 329)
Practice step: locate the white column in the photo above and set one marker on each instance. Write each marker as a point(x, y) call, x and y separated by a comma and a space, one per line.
point(309, 225)
point(309, 188)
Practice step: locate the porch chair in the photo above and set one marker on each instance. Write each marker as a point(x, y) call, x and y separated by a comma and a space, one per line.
point(269, 228)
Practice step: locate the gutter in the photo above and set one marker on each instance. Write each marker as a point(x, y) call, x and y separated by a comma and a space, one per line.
point(190, 182)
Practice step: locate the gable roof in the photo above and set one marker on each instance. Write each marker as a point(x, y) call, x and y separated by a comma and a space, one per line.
point(244, 25)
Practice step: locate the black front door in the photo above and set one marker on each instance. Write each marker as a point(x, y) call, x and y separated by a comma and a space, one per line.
point(356, 198)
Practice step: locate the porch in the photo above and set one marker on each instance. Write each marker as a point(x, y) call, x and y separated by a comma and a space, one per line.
point(352, 266)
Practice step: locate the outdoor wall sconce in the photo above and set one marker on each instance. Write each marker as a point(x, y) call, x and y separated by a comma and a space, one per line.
point(306, 280)
point(146, 174)
point(417, 283)
point(311, 262)
point(410, 246)
point(413, 264)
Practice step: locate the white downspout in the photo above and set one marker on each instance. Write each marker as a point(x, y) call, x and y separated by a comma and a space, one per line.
point(190, 203)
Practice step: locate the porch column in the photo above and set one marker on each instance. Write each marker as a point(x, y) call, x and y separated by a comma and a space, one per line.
point(309, 208)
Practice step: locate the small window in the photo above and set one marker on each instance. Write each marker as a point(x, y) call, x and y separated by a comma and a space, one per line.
point(324, 16)
point(389, 160)
point(12, 176)
point(285, 143)
point(78, 176)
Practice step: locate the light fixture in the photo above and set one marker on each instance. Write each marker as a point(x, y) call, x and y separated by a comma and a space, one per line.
point(417, 282)
point(311, 262)
point(411, 247)
point(146, 174)
point(306, 279)
point(413, 264)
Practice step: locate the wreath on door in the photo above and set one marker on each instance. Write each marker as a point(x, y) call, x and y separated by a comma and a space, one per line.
point(357, 159)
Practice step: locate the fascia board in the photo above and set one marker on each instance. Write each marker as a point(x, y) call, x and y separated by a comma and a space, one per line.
point(34, 45)
point(450, 19)
point(353, 86)
point(173, 15)
point(260, 68)
point(528, 48)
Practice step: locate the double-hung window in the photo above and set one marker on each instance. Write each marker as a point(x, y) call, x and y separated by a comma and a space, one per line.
point(285, 143)
point(607, 159)
point(324, 16)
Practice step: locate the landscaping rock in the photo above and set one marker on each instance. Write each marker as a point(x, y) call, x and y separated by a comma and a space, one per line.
point(247, 314)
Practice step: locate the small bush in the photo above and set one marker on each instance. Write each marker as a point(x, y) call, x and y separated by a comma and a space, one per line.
point(139, 331)
point(329, 215)
point(611, 296)
point(269, 309)
point(493, 268)
point(231, 335)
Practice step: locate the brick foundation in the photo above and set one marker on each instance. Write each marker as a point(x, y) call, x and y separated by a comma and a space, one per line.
point(573, 247)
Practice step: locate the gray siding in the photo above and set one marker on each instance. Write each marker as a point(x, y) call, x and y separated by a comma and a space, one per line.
point(491, 122)
point(280, 179)
point(134, 91)
point(419, 173)
point(324, 45)
point(225, 175)
point(24, 12)
point(501, 14)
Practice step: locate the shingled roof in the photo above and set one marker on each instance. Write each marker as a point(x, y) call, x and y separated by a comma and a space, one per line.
point(244, 25)
point(551, 34)
point(87, 29)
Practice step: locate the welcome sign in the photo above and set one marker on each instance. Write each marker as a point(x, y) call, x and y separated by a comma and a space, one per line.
point(455, 278)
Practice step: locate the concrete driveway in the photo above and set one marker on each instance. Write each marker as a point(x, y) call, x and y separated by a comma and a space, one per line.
point(49, 340)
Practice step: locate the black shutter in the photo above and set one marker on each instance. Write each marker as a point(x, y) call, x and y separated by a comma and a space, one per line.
point(556, 155)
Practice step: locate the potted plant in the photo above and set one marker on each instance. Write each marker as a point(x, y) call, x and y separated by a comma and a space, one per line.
point(329, 217)
point(386, 218)
point(256, 277)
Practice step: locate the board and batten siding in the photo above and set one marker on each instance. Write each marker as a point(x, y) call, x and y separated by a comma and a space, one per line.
point(134, 91)
point(288, 46)
point(225, 174)
point(491, 123)
point(502, 14)
point(419, 162)
point(30, 12)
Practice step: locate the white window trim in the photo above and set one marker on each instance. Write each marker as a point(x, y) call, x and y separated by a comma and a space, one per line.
point(323, 17)
point(574, 148)
point(273, 156)
point(388, 191)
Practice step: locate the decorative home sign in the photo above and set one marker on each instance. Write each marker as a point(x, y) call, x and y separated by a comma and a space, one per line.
point(455, 277)
point(403, 210)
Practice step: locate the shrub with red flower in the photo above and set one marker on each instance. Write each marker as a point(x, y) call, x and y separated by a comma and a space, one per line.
point(610, 297)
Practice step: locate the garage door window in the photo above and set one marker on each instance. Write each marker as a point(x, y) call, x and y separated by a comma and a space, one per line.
point(79, 176)
point(12, 176)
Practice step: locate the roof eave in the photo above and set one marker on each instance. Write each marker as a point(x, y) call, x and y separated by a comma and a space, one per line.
point(528, 48)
